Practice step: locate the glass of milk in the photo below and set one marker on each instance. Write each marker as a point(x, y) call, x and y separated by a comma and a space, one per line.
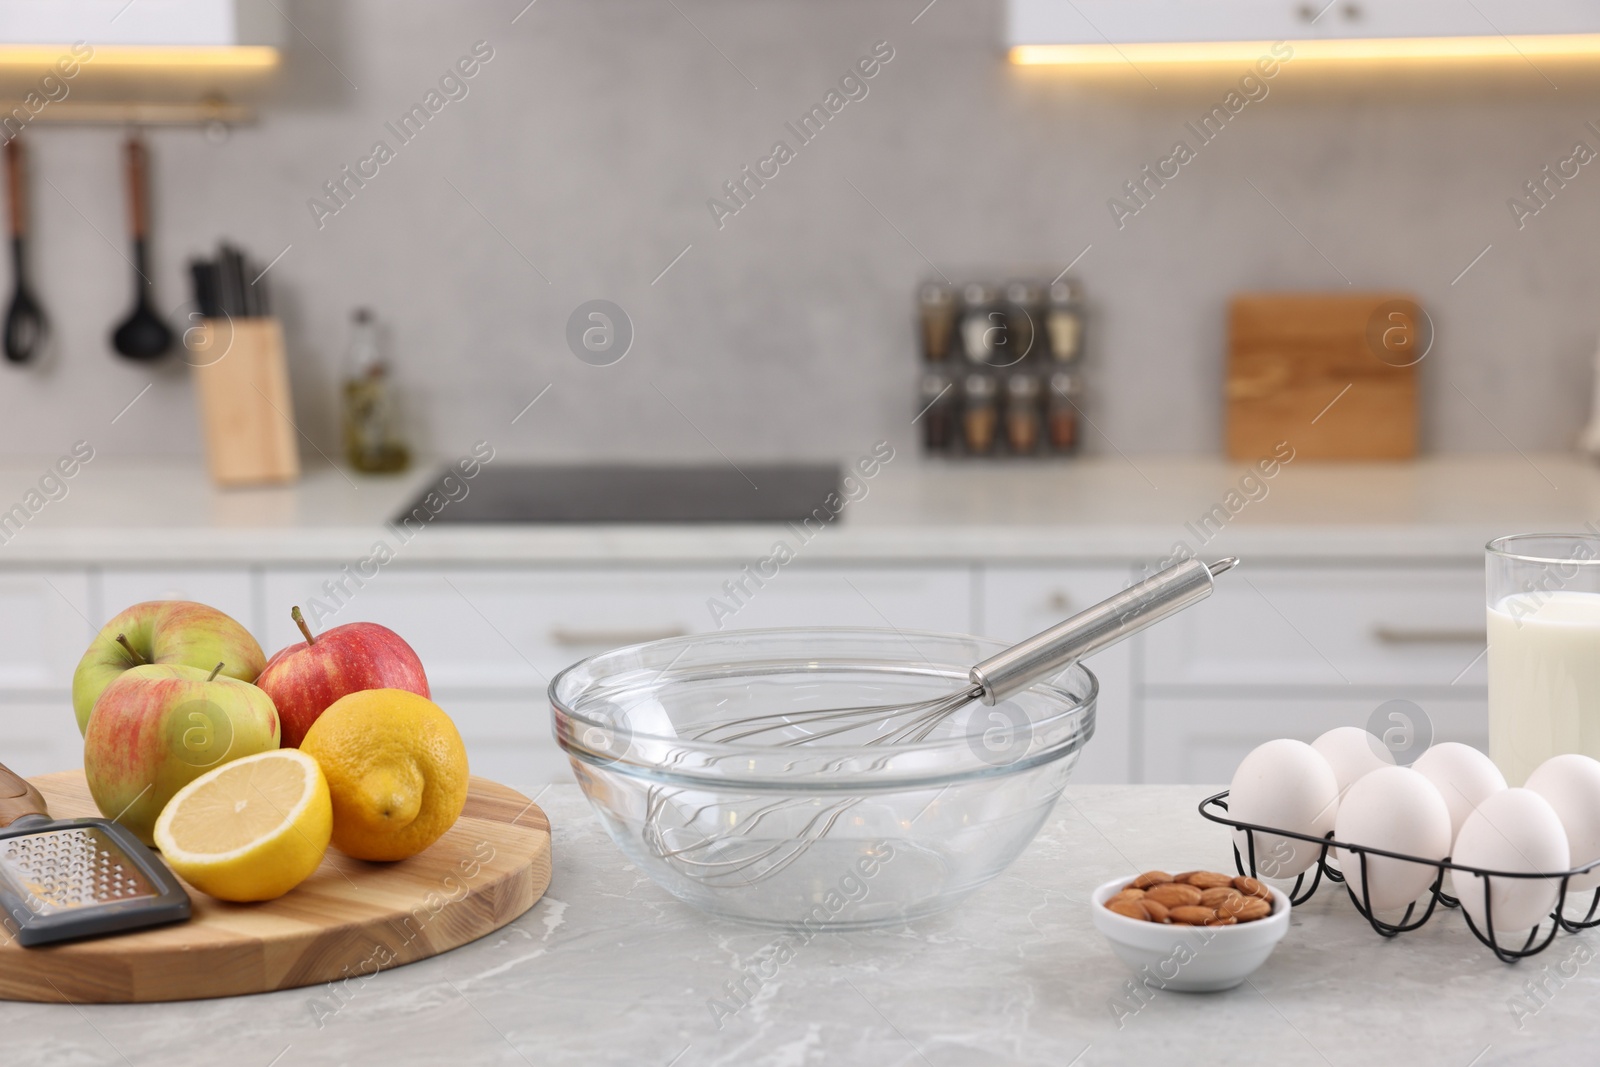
point(1544, 649)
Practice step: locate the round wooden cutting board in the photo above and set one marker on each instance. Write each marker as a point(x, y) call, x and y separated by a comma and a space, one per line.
point(348, 920)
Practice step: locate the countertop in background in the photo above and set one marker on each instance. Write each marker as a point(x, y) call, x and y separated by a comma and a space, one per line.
point(609, 969)
point(1444, 509)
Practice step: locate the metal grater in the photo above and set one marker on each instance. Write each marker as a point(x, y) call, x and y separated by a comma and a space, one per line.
point(77, 877)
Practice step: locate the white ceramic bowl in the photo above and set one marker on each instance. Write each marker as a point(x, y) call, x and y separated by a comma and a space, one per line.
point(1189, 959)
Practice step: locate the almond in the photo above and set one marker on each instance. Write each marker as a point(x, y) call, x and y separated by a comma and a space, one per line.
point(1223, 920)
point(1158, 912)
point(1191, 915)
point(1252, 888)
point(1150, 878)
point(1129, 894)
point(1252, 909)
point(1174, 895)
point(1131, 908)
point(1208, 880)
point(1225, 899)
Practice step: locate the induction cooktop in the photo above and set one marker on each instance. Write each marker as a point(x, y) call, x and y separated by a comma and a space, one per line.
point(625, 493)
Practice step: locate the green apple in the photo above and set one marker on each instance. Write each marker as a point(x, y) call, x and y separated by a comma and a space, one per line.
point(159, 726)
point(163, 631)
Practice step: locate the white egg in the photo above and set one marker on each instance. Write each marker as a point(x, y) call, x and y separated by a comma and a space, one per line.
point(1284, 784)
point(1352, 752)
point(1571, 783)
point(1398, 810)
point(1512, 830)
point(1464, 777)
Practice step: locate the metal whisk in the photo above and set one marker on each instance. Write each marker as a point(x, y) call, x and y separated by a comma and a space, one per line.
point(990, 682)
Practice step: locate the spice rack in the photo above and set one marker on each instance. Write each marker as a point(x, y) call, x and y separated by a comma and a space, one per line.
point(1000, 367)
point(1539, 937)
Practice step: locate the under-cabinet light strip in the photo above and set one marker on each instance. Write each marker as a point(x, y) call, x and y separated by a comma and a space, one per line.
point(40, 56)
point(1384, 48)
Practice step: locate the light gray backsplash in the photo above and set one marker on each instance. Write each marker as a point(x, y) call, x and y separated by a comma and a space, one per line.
point(592, 140)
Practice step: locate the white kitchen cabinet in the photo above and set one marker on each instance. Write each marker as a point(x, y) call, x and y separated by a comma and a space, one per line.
point(490, 628)
point(507, 737)
point(1018, 602)
point(1321, 626)
point(228, 590)
point(39, 735)
point(1278, 650)
point(1202, 740)
point(45, 624)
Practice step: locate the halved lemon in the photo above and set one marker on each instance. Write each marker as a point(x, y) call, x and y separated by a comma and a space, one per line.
point(252, 829)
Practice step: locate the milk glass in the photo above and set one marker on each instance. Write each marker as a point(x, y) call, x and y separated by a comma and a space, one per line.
point(1544, 649)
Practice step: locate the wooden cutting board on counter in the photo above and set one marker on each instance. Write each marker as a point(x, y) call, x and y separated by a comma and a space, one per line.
point(349, 921)
point(1335, 376)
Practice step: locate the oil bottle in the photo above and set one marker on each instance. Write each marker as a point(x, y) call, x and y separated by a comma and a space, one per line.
point(373, 440)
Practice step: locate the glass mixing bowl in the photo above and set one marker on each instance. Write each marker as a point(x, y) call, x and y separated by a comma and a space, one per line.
point(834, 823)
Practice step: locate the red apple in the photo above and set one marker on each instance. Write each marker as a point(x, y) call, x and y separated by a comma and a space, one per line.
point(305, 678)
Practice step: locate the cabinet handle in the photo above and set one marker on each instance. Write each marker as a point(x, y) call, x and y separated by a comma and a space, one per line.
point(1400, 635)
point(612, 638)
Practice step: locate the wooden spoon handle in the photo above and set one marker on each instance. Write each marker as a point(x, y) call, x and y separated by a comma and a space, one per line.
point(138, 162)
point(18, 798)
point(19, 212)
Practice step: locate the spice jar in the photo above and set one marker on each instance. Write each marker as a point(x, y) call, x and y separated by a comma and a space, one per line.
point(938, 413)
point(980, 415)
point(1022, 414)
point(1024, 313)
point(1062, 417)
point(1064, 323)
point(936, 314)
point(983, 323)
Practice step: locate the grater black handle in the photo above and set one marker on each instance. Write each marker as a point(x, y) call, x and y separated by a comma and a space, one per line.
point(18, 798)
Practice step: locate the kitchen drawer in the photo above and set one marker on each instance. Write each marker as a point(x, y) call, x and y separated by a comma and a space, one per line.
point(1326, 626)
point(39, 735)
point(508, 737)
point(1202, 741)
point(1018, 602)
point(44, 627)
point(226, 589)
point(493, 628)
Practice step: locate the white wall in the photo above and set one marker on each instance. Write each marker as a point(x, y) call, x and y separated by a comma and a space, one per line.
point(594, 137)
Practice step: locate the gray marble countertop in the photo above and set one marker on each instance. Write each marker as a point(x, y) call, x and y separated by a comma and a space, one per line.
point(608, 969)
point(1440, 508)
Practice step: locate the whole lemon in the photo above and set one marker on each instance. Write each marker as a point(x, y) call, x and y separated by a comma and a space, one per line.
point(396, 770)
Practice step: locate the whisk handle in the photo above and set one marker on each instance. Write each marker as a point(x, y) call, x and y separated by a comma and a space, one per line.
point(1090, 630)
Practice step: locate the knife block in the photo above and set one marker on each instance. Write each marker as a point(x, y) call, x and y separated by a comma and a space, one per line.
point(242, 388)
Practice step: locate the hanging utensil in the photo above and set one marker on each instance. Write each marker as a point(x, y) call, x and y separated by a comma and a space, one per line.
point(142, 335)
point(25, 320)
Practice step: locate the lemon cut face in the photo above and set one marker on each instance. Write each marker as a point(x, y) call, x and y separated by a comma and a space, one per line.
point(252, 829)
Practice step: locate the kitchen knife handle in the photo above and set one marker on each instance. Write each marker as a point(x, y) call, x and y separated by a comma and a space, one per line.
point(18, 798)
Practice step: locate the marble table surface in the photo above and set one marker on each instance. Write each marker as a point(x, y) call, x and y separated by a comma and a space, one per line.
point(608, 968)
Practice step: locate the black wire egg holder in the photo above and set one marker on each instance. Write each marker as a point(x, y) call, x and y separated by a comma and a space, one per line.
point(1300, 892)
